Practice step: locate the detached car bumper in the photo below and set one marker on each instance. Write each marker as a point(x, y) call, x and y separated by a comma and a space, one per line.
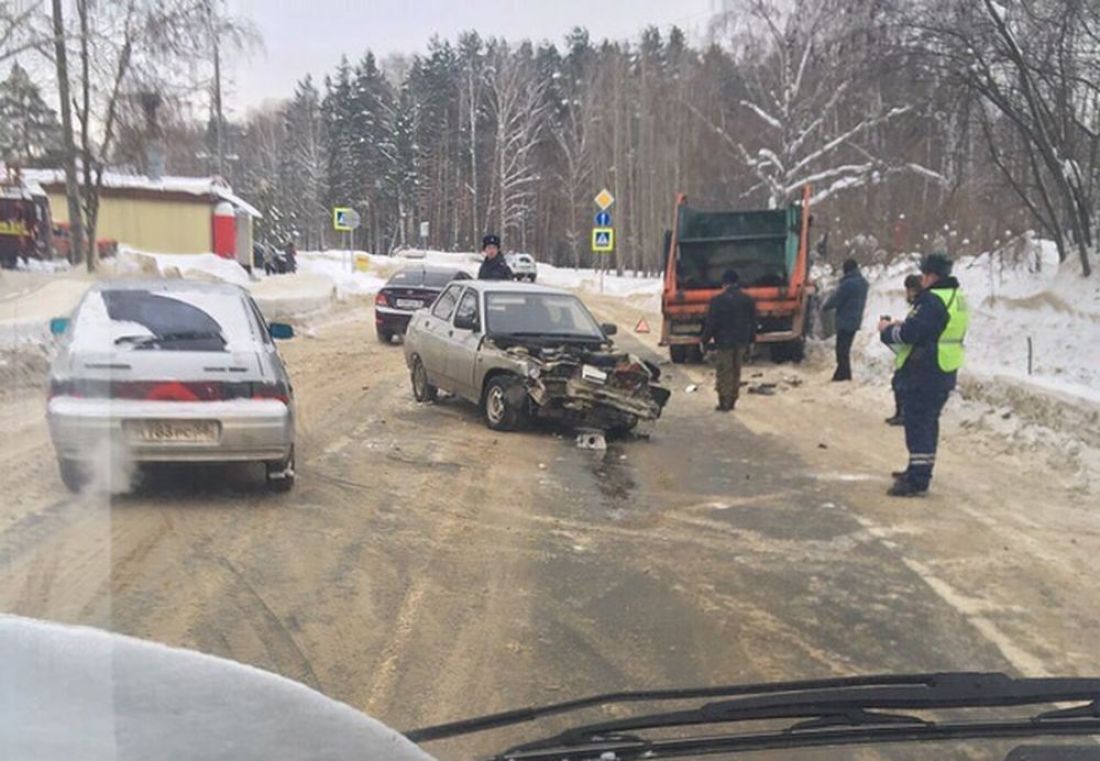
point(237, 430)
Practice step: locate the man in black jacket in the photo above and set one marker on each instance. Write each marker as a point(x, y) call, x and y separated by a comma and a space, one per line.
point(849, 299)
point(731, 326)
point(493, 267)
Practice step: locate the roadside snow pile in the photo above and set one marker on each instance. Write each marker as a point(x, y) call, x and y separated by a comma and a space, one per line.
point(1030, 296)
point(1014, 296)
point(132, 263)
point(353, 273)
point(623, 286)
point(44, 265)
point(358, 272)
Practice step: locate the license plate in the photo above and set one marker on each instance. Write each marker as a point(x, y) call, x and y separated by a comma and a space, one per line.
point(593, 374)
point(409, 304)
point(186, 431)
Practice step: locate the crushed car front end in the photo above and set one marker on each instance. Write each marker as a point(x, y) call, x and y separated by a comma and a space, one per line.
point(584, 385)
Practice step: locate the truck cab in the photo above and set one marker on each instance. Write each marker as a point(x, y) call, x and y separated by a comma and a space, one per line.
point(769, 251)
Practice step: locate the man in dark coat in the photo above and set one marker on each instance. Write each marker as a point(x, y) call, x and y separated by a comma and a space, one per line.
point(493, 267)
point(849, 299)
point(929, 345)
point(731, 327)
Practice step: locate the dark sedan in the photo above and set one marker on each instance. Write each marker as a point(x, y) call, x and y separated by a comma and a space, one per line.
point(410, 289)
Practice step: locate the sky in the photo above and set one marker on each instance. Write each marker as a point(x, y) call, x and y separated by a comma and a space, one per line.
point(309, 36)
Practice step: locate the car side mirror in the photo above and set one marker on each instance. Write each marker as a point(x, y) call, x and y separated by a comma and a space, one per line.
point(58, 325)
point(280, 331)
point(467, 322)
point(609, 328)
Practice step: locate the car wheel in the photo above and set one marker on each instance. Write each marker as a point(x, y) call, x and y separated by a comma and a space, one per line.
point(385, 336)
point(695, 354)
point(677, 353)
point(502, 412)
point(280, 475)
point(73, 475)
point(422, 390)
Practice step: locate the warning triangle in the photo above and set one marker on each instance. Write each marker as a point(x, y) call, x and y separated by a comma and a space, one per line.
point(642, 326)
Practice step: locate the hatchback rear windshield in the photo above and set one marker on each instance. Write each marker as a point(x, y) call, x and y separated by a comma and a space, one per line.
point(415, 278)
point(130, 319)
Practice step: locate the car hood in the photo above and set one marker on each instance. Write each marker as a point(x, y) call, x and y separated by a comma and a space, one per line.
point(74, 692)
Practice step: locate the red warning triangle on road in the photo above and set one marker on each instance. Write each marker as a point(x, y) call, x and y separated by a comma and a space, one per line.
point(642, 326)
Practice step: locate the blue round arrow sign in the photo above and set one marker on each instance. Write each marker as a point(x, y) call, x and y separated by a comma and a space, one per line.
point(603, 219)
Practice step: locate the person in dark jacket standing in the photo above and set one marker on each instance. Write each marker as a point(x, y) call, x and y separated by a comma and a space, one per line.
point(929, 346)
point(493, 266)
point(849, 299)
point(731, 326)
point(912, 290)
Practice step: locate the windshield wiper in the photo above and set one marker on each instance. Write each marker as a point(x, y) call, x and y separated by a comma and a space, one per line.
point(163, 338)
point(844, 711)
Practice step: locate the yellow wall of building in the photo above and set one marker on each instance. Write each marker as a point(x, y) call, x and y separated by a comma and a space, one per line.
point(164, 227)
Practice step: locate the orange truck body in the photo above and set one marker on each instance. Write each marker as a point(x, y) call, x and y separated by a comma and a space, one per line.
point(770, 252)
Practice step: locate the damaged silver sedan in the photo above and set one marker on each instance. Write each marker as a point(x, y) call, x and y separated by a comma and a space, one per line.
point(525, 351)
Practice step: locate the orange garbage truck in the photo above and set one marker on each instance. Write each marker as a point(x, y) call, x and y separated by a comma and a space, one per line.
point(769, 250)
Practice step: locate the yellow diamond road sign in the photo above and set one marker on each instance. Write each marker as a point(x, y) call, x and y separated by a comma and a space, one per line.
point(603, 239)
point(604, 199)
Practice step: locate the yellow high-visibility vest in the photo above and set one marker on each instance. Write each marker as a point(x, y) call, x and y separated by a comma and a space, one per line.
point(949, 346)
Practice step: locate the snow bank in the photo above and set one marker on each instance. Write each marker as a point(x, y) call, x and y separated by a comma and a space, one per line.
point(352, 273)
point(289, 296)
point(359, 272)
point(133, 263)
point(588, 281)
point(1012, 299)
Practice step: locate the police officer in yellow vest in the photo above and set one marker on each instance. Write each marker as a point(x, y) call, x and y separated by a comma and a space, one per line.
point(929, 346)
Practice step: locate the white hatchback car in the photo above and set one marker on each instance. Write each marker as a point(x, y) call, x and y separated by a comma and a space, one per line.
point(170, 371)
point(523, 266)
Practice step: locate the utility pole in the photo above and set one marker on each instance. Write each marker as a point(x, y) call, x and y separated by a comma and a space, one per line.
point(219, 139)
point(72, 191)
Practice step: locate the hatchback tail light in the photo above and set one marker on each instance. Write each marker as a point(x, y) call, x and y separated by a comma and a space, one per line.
point(382, 300)
point(169, 390)
point(277, 390)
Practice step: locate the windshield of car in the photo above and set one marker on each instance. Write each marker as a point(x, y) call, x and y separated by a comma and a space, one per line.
point(178, 320)
point(427, 278)
point(539, 314)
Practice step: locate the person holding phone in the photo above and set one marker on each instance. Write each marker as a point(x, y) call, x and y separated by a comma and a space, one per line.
point(929, 346)
point(912, 290)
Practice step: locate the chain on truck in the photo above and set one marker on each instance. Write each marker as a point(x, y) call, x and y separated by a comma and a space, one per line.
point(769, 249)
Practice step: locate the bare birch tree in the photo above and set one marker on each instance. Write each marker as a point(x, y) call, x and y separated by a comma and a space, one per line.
point(518, 109)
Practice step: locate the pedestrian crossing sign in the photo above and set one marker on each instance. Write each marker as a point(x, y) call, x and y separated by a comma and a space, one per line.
point(603, 239)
